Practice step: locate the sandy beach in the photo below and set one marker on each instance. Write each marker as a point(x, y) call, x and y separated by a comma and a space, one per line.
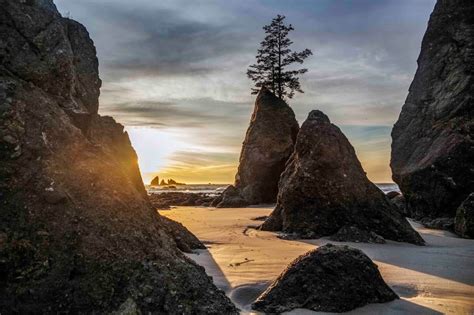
point(434, 279)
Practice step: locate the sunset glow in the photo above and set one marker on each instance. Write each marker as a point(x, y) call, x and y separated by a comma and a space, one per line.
point(174, 74)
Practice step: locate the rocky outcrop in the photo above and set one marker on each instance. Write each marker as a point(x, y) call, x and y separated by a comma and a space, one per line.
point(354, 234)
point(464, 222)
point(267, 146)
point(164, 200)
point(77, 232)
point(155, 181)
point(230, 198)
point(433, 146)
point(324, 188)
point(328, 279)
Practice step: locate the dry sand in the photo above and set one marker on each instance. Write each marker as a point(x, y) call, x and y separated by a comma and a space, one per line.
point(434, 279)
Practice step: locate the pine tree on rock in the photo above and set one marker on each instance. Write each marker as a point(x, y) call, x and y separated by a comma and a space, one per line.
point(273, 58)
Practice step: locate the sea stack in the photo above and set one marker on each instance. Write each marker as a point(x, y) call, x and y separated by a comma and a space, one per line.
point(324, 189)
point(267, 146)
point(328, 279)
point(77, 232)
point(155, 181)
point(432, 141)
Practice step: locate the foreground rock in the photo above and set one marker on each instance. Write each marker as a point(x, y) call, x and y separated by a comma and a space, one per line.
point(267, 146)
point(433, 146)
point(77, 232)
point(328, 279)
point(464, 222)
point(165, 200)
point(324, 189)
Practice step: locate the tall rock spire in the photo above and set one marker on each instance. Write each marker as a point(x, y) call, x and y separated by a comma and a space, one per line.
point(267, 146)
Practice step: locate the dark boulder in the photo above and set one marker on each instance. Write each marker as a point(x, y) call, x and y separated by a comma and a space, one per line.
point(267, 146)
point(77, 232)
point(231, 198)
point(324, 188)
point(328, 279)
point(464, 222)
point(432, 141)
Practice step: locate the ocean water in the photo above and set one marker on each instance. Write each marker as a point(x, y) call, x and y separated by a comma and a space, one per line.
point(213, 189)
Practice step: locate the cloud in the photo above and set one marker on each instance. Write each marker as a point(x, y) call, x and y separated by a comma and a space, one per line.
point(181, 64)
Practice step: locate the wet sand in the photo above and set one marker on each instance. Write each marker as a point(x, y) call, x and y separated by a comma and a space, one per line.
point(434, 279)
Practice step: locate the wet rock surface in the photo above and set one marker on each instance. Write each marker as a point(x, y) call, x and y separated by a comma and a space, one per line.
point(165, 200)
point(433, 146)
point(464, 222)
point(78, 233)
point(328, 279)
point(319, 194)
point(267, 146)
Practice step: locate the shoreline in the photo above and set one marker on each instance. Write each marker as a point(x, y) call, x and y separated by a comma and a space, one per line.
point(434, 279)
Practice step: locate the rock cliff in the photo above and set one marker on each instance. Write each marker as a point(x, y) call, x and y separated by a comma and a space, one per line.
point(433, 146)
point(267, 146)
point(77, 233)
point(324, 189)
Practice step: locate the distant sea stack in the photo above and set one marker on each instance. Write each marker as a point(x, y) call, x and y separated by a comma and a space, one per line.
point(77, 232)
point(324, 189)
point(268, 144)
point(432, 141)
point(155, 181)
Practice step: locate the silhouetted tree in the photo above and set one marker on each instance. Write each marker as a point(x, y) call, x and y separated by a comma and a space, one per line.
point(273, 57)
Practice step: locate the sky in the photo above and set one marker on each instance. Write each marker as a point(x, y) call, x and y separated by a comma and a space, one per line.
point(173, 73)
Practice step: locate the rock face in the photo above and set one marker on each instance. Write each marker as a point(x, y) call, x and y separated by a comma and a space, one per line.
point(267, 146)
point(328, 279)
point(77, 232)
point(433, 146)
point(155, 181)
point(324, 188)
point(464, 222)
